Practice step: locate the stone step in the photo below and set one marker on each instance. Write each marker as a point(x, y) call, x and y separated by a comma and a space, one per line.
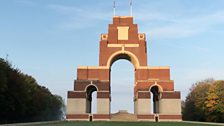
point(123, 115)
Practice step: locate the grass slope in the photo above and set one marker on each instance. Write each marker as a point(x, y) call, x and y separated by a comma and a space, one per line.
point(122, 124)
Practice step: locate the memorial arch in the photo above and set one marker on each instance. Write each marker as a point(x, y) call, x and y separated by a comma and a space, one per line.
point(124, 42)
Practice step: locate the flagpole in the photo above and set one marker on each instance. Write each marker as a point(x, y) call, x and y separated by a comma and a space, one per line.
point(131, 7)
point(114, 8)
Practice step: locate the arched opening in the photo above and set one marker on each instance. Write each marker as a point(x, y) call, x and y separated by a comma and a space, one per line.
point(90, 96)
point(122, 84)
point(155, 98)
point(123, 55)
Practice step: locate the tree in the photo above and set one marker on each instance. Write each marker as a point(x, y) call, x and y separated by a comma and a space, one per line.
point(23, 100)
point(194, 103)
point(215, 102)
point(205, 102)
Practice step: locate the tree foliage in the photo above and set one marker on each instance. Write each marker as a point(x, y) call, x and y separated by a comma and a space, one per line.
point(215, 102)
point(23, 100)
point(205, 102)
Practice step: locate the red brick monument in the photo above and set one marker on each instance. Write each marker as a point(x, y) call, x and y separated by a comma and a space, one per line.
point(124, 42)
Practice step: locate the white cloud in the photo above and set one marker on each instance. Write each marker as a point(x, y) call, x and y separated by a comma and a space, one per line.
point(185, 26)
point(157, 24)
point(199, 74)
point(79, 18)
point(189, 76)
point(174, 31)
point(64, 9)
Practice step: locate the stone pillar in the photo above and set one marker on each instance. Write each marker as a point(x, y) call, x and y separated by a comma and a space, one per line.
point(143, 106)
point(103, 106)
point(88, 105)
point(170, 107)
point(135, 105)
point(156, 108)
point(76, 106)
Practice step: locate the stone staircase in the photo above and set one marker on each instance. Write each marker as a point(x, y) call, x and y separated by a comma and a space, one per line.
point(123, 115)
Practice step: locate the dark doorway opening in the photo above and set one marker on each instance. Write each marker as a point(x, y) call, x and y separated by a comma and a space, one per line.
point(90, 118)
point(155, 92)
point(156, 119)
point(89, 93)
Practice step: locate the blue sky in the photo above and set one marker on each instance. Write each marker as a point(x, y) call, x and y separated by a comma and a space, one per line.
point(48, 39)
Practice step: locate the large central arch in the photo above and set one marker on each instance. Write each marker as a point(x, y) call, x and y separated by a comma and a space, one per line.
point(122, 54)
point(124, 42)
point(122, 85)
point(118, 56)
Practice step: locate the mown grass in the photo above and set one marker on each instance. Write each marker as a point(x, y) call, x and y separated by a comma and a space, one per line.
point(122, 124)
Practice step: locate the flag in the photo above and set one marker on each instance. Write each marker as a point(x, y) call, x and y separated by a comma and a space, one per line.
point(130, 2)
point(114, 3)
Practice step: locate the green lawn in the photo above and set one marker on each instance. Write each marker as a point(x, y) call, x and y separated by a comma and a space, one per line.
point(122, 124)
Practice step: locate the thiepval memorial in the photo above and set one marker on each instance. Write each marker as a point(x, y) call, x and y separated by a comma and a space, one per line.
point(151, 82)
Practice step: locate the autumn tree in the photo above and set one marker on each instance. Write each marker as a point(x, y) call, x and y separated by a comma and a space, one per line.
point(194, 103)
point(205, 102)
point(215, 102)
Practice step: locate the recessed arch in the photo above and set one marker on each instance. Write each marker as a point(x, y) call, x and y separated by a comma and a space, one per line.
point(88, 86)
point(89, 94)
point(156, 91)
point(122, 54)
point(159, 87)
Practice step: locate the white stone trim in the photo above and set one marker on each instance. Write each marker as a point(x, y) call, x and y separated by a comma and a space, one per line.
point(121, 45)
point(134, 59)
point(153, 67)
point(93, 67)
point(160, 87)
point(91, 84)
